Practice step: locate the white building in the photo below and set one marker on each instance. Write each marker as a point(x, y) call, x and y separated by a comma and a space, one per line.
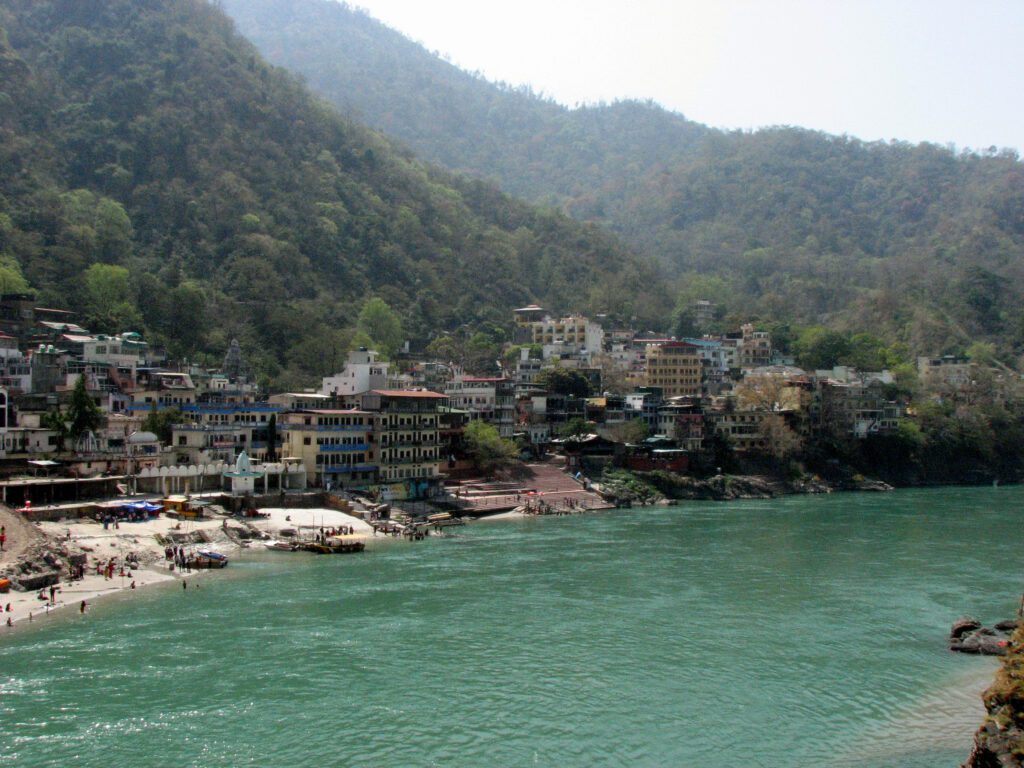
point(362, 372)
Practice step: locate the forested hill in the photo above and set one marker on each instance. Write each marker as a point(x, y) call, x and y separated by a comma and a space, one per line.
point(918, 243)
point(222, 200)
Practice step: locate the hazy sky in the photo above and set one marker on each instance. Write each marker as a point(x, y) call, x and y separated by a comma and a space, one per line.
point(928, 70)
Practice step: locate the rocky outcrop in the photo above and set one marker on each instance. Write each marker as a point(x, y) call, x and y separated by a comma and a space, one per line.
point(969, 636)
point(999, 742)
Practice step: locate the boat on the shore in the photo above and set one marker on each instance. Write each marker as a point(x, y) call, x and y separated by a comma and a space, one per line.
point(205, 558)
point(335, 545)
point(280, 546)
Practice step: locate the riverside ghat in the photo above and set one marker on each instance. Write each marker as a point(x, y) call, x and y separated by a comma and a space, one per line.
point(187, 519)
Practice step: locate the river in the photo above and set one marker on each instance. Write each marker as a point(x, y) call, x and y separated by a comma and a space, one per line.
point(803, 631)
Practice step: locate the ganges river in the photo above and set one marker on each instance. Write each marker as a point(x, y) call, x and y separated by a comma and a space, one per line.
point(805, 631)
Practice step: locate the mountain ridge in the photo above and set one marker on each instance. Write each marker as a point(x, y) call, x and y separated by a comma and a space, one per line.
point(151, 137)
point(793, 224)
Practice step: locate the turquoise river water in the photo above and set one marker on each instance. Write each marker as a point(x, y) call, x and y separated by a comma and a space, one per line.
point(806, 631)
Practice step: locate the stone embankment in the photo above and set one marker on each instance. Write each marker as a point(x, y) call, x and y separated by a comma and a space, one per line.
point(999, 742)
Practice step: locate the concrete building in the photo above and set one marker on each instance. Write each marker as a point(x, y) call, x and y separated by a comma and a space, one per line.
point(362, 372)
point(675, 368)
point(406, 436)
point(336, 447)
point(491, 399)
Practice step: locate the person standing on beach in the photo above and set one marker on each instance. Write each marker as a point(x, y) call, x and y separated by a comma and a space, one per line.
point(53, 591)
point(3, 537)
point(81, 608)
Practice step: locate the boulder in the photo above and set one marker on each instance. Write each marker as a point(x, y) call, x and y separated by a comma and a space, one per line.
point(963, 625)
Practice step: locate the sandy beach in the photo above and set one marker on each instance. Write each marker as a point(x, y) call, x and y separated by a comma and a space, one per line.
point(139, 538)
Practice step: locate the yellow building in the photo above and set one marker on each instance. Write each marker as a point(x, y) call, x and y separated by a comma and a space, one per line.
point(675, 367)
point(336, 446)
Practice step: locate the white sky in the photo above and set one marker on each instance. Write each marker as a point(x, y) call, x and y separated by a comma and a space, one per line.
point(917, 70)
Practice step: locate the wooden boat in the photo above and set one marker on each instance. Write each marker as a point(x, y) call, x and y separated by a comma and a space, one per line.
point(335, 545)
point(318, 548)
point(343, 545)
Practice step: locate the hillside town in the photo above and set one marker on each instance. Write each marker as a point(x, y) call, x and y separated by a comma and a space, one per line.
point(396, 430)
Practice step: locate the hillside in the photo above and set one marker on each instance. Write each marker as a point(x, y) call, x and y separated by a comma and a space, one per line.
point(156, 172)
point(918, 243)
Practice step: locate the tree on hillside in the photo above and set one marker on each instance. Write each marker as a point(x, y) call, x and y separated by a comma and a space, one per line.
point(563, 381)
point(109, 303)
point(488, 451)
point(818, 348)
point(575, 428)
point(11, 279)
point(83, 414)
point(382, 324)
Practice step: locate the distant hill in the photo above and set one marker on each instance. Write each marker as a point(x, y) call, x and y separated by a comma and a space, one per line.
point(914, 242)
point(151, 137)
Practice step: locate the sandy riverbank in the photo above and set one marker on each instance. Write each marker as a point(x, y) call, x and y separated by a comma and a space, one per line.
point(140, 538)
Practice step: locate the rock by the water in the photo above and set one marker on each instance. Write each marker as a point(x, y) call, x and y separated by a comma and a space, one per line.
point(969, 636)
point(962, 625)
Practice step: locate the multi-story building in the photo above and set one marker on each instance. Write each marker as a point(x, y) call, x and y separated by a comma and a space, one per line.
point(406, 424)
point(491, 399)
point(571, 335)
point(754, 347)
point(858, 409)
point(948, 371)
point(674, 367)
point(338, 448)
point(220, 431)
point(744, 428)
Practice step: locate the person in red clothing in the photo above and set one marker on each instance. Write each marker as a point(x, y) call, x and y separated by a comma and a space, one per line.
point(3, 537)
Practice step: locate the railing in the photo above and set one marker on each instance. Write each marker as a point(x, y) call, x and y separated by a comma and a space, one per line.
point(419, 460)
point(336, 448)
point(344, 469)
point(319, 428)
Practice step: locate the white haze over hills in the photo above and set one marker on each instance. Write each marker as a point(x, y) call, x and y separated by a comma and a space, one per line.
point(940, 71)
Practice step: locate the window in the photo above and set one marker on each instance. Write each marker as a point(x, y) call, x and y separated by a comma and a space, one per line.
point(306, 441)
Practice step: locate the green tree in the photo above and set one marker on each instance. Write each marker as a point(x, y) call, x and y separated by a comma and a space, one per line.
point(57, 421)
point(161, 422)
point(819, 348)
point(83, 413)
point(563, 381)
point(11, 279)
point(575, 428)
point(488, 451)
point(382, 324)
point(272, 438)
point(109, 303)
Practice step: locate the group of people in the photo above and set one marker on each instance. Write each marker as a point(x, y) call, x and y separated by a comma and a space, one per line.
point(567, 507)
point(341, 530)
point(178, 558)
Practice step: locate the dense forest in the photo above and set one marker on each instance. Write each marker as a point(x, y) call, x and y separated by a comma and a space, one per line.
point(157, 174)
point(921, 244)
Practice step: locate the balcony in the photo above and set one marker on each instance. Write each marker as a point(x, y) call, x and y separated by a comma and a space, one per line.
point(346, 469)
point(343, 448)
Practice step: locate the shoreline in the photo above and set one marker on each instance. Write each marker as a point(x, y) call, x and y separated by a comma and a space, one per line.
point(99, 544)
point(90, 536)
